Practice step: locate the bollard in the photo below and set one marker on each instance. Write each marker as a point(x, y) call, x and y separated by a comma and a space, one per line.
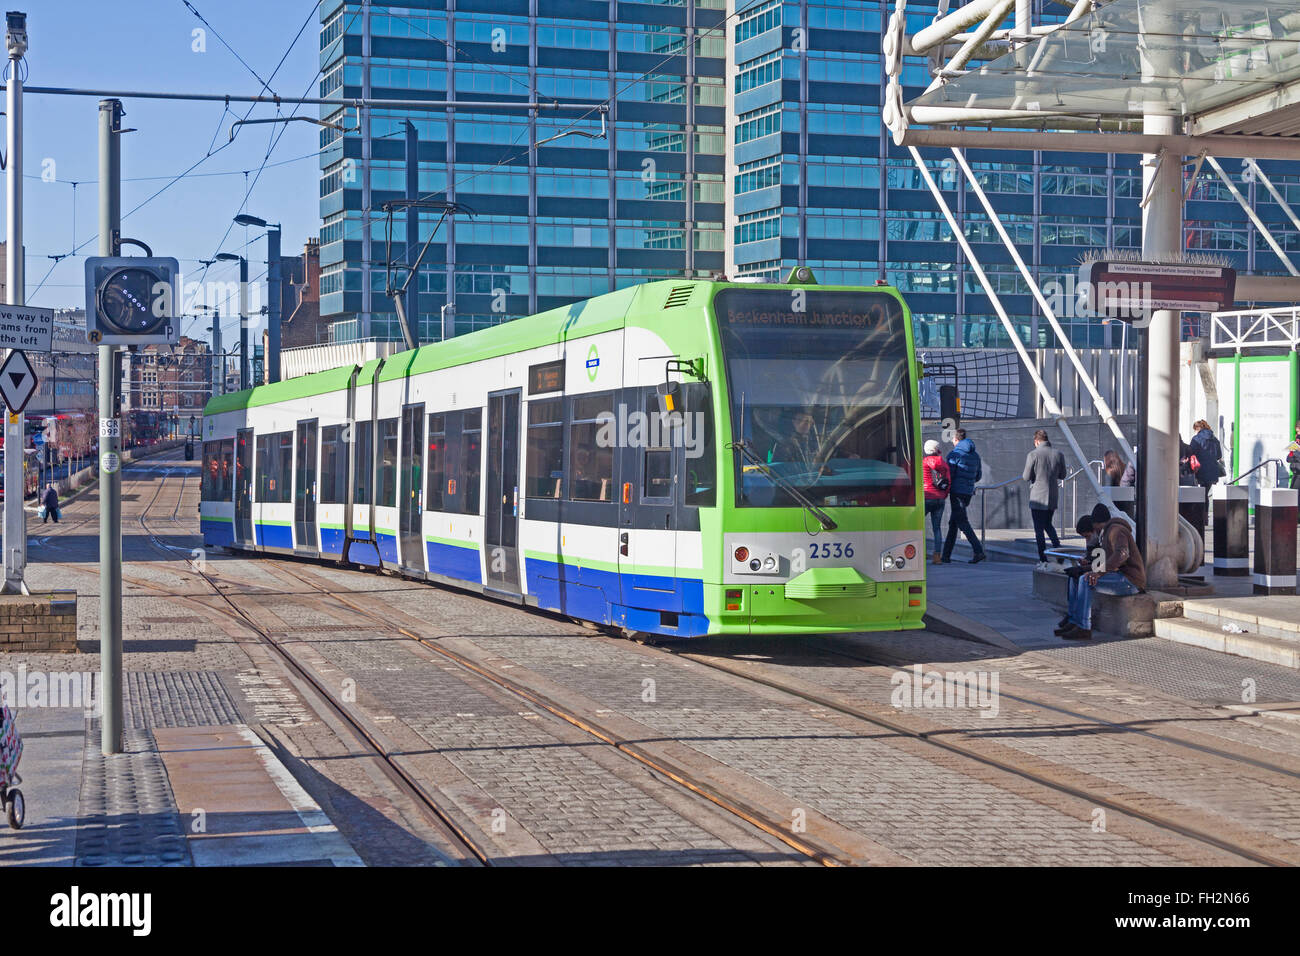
point(1125, 499)
point(1192, 506)
point(1231, 509)
point(1275, 520)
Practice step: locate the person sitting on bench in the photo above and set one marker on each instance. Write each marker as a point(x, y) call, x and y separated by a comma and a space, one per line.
point(1122, 571)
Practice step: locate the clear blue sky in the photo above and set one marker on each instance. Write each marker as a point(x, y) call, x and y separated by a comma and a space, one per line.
point(147, 45)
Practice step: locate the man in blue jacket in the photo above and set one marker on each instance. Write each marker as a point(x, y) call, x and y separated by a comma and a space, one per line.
point(964, 463)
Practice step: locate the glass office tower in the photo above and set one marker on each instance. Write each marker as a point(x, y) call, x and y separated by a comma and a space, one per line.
point(744, 137)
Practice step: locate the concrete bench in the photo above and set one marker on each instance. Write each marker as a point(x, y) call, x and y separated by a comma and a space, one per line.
point(1127, 616)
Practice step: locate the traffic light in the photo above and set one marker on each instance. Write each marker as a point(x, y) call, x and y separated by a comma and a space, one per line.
point(131, 300)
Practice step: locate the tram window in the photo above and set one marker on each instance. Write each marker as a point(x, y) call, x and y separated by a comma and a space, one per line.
point(362, 473)
point(701, 470)
point(333, 465)
point(471, 458)
point(387, 463)
point(433, 498)
point(658, 473)
point(225, 490)
point(545, 449)
point(591, 467)
point(274, 467)
point(211, 470)
point(657, 466)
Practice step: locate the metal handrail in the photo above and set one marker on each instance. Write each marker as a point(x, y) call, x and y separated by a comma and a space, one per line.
point(1002, 484)
point(1277, 473)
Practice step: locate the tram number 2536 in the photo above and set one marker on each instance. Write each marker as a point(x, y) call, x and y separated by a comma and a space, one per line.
point(830, 549)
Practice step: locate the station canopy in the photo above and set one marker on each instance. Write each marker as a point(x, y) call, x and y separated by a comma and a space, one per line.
point(1222, 66)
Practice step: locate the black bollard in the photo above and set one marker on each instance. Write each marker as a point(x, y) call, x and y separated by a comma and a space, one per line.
point(1231, 508)
point(1192, 505)
point(1275, 527)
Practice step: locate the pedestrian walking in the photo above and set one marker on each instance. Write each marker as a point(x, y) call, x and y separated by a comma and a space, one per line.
point(1122, 571)
point(936, 480)
point(966, 469)
point(50, 505)
point(1206, 458)
point(1044, 470)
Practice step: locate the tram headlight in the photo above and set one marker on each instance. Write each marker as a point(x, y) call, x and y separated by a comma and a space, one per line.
point(769, 563)
point(755, 565)
point(887, 562)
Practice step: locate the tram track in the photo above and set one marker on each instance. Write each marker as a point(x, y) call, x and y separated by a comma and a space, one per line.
point(932, 737)
point(364, 738)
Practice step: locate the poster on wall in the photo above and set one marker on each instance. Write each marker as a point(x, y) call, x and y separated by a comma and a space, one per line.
point(1264, 425)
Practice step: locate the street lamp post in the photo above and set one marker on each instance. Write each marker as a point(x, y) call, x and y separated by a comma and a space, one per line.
point(271, 361)
point(243, 314)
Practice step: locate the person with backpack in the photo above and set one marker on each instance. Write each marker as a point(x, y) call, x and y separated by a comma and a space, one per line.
point(1045, 470)
point(1206, 459)
point(965, 467)
point(936, 480)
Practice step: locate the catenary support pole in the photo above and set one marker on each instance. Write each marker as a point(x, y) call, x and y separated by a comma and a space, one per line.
point(412, 232)
point(15, 521)
point(110, 472)
point(274, 303)
point(243, 323)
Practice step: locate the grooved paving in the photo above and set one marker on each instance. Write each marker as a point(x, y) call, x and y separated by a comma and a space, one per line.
point(177, 699)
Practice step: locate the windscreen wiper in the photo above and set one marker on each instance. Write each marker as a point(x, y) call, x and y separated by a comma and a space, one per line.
point(825, 520)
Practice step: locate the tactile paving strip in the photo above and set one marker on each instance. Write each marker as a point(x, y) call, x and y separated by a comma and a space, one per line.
point(177, 699)
point(127, 815)
point(1193, 673)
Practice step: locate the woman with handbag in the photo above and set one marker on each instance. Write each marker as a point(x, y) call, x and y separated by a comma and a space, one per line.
point(936, 480)
point(1206, 455)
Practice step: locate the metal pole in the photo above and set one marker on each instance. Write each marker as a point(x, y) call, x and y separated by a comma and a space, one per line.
point(243, 323)
point(15, 522)
point(1162, 238)
point(218, 359)
point(274, 304)
point(412, 231)
point(110, 488)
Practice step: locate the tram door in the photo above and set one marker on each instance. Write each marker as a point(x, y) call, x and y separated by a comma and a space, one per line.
point(244, 486)
point(501, 533)
point(304, 490)
point(411, 510)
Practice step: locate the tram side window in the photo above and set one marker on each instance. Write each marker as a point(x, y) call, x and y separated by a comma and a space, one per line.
point(274, 466)
point(387, 463)
point(209, 489)
point(333, 465)
point(223, 489)
point(701, 473)
point(545, 449)
point(433, 498)
point(361, 433)
point(471, 458)
point(657, 472)
point(591, 467)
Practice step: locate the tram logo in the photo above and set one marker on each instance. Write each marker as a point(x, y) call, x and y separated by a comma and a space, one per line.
point(919, 688)
point(593, 363)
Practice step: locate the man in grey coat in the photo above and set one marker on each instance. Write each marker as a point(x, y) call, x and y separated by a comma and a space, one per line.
point(1044, 470)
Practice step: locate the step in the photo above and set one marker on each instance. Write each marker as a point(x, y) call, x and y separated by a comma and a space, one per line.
point(1259, 647)
point(1274, 615)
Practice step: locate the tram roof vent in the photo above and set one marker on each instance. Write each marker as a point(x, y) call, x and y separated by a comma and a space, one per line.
point(678, 296)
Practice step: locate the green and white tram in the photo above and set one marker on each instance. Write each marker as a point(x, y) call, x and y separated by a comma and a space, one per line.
point(678, 458)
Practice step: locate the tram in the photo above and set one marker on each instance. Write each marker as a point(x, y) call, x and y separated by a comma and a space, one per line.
point(680, 458)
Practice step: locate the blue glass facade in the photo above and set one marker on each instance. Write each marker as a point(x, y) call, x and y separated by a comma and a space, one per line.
point(742, 139)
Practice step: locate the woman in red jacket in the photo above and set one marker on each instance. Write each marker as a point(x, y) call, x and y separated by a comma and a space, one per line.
point(936, 479)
